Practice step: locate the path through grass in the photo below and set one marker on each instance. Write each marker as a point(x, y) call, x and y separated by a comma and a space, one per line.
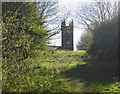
point(64, 71)
point(70, 73)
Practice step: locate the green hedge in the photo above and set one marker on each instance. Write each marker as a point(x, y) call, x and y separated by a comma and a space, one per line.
point(21, 35)
point(105, 41)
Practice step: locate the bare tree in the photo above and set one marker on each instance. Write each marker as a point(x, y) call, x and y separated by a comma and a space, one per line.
point(89, 15)
point(57, 24)
point(51, 15)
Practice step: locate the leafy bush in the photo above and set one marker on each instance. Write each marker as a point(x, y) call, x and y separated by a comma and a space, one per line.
point(20, 36)
point(15, 49)
point(105, 41)
point(103, 51)
point(85, 41)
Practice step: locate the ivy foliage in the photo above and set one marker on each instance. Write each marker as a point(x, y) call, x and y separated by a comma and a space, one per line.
point(21, 35)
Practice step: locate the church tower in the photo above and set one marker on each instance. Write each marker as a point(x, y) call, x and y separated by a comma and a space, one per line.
point(67, 35)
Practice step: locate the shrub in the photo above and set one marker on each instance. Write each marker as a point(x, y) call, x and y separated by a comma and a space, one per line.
point(105, 41)
point(20, 37)
point(103, 51)
point(85, 41)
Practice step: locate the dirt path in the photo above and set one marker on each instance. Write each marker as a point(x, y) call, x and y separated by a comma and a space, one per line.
point(58, 61)
point(66, 54)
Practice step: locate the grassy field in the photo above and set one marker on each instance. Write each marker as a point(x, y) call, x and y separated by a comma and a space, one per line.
point(65, 71)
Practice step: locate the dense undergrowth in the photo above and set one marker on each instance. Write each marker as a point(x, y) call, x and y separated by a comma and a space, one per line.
point(58, 71)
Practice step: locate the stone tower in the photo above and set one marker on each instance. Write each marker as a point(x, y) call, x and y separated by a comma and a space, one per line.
point(67, 35)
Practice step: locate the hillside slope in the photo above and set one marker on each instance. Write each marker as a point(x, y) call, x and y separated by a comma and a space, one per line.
point(62, 71)
point(69, 72)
